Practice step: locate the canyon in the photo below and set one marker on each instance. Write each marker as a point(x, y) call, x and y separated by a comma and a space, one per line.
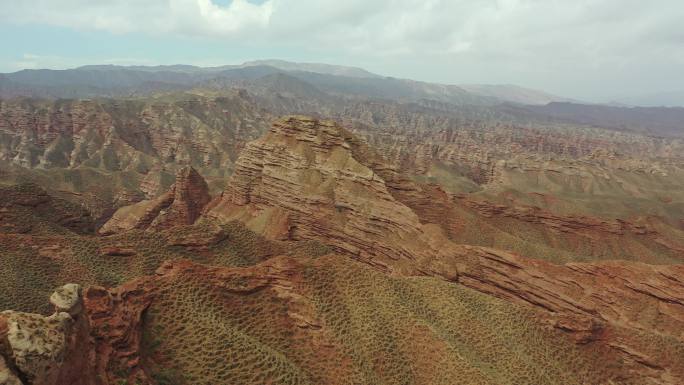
point(272, 228)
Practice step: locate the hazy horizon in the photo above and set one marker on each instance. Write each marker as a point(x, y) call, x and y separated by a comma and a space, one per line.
point(596, 51)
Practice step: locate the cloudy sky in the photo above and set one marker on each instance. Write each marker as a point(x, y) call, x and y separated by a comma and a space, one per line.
point(589, 49)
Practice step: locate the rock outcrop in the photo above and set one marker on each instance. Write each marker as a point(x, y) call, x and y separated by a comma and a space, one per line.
point(68, 299)
point(52, 350)
point(138, 216)
point(190, 195)
point(24, 205)
point(115, 318)
point(311, 179)
point(92, 338)
point(626, 306)
point(181, 205)
point(566, 224)
point(564, 237)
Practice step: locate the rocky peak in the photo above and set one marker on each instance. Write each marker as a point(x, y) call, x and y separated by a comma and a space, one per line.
point(312, 179)
point(190, 195)
point(181, 205)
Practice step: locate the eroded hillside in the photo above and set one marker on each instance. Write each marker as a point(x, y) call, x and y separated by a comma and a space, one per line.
point(322, 262)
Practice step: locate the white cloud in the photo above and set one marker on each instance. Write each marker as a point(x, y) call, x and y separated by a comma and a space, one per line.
point(410, 26)
point(182, 17)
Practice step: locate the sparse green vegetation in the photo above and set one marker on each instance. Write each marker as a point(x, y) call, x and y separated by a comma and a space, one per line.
point(367, 329)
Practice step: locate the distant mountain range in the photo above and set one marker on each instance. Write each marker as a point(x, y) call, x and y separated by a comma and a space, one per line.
point(657, 121)
point(318, 85)
point(122, 81)
point(117, 81)
point(515, 94)
point(661, 99)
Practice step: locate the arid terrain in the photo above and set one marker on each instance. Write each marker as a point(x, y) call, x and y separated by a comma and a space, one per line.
point(274, 223)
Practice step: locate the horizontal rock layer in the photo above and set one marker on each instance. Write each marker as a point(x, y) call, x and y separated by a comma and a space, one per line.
point(626, 306)
point(310, 179)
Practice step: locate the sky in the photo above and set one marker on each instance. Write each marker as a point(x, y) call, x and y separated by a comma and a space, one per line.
point(594, 50)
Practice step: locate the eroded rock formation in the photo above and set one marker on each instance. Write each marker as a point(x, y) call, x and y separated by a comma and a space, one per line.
point(311, 179)
point(181, 205)
point(91, 338)
point(567, 224)
point(22, 201)
point(115, 318)
point(626, 306)
point(52, 350)
point(126, 134)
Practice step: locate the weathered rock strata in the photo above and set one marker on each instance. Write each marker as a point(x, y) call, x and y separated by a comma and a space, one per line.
point(181, 205)
point(28, 199)
point(612, 303)
point(566, 224)
point(127, 134)
point(115, 318)
point(310, 179)
point(190, 195)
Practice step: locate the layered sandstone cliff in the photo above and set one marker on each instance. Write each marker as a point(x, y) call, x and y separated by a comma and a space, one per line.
point(311, 179)
point(568, 224)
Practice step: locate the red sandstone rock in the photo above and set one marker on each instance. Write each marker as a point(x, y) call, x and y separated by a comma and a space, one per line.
point(181, 205)
point(310, 179)
point(608, 303)
point(567, 224)
point(115, 318)
point(190, 195)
